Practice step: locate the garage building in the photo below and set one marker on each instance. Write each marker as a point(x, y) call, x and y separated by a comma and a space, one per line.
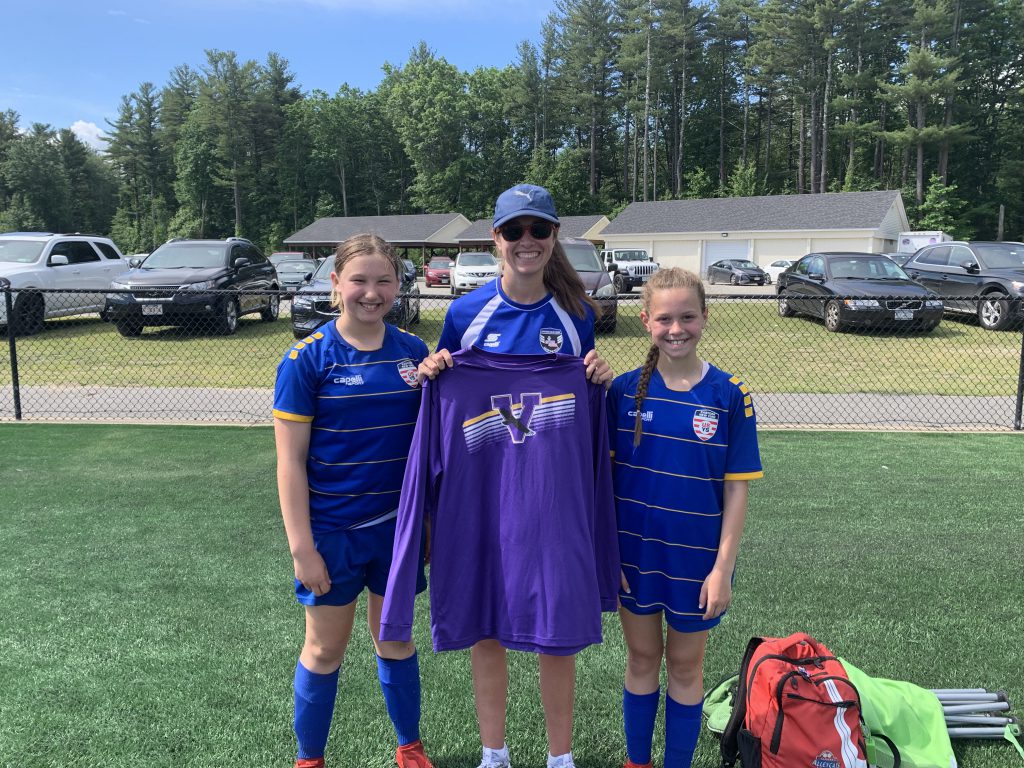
point(695, 233)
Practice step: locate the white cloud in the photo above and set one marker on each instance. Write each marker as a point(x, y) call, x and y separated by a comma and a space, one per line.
point(142, 21)
point(88, 133)
point(117, 13)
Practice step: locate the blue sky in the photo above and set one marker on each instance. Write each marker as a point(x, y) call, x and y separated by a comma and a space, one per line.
point(68, 63)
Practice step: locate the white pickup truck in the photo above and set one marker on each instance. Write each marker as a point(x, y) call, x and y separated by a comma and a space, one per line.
point(42, 260)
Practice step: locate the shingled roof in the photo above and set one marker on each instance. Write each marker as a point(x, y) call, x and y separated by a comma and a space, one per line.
point(412, 230)
point(833, 210)
point(570, 226)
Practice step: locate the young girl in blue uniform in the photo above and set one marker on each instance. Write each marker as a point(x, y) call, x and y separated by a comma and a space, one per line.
point(684, 445)
point(537, 305)
point(345, 404)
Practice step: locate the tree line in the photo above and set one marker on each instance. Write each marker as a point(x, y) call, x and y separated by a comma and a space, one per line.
point(619, 101)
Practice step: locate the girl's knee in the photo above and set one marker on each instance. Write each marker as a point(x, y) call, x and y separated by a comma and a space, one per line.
point(684, 672)
point(644, 661)
point(324, 653)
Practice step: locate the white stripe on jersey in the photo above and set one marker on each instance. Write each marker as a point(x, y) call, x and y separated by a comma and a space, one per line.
point(473, 332)
point(570, 327)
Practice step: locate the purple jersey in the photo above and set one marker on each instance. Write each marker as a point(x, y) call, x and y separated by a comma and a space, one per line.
point(510, 462)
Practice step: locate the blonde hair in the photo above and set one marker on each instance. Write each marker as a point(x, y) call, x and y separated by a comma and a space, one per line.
point(364, 244)
point(663, 279)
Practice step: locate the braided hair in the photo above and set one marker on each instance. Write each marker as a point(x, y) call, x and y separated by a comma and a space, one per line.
point(675, 277)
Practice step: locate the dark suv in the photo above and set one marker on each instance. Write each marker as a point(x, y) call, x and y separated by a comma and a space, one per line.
point(193, 282)
point(311, 306)
point(583, 256)
point(990, 272)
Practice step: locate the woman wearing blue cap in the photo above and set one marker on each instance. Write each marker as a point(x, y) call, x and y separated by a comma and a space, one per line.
point(538, 305)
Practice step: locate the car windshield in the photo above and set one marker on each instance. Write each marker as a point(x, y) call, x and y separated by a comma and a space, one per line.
point(745, 265)
point(190, 255)
point(440, 263)
point(277, 258)
point(637, 255)
point(1001, 255)
point(476, 260)
point(325, 269)
point(20, 251)
point(866, 268)
point(300, 267)
point(583, 258)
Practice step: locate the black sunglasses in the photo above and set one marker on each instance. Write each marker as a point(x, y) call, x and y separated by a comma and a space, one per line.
point(539, 230)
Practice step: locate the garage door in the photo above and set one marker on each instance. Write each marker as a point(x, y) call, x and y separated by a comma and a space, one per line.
point(724, 249)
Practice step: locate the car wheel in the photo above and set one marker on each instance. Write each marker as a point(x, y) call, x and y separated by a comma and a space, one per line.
point(767, 279)
point(994, 312)
point(227, 320)
point(832, 320)
point(733, 280)
point(271, 312)
point(454, 292)
point(416, 317)
point(620, 284)
point(609, 327)
point(129, 328)
point(785, 310)
point(29, 314)
point(299, 335)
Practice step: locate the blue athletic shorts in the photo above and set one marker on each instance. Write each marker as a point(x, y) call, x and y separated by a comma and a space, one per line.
point(355, 559)
point(683, 624)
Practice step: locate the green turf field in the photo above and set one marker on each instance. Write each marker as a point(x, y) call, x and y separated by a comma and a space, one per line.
point(148, 619)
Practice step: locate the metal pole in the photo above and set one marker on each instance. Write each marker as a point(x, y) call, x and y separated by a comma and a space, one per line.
point(969, 709)
point(1020, 386)
point(5, 286)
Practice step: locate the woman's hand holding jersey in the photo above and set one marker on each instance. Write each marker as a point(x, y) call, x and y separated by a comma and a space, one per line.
point(433, 364)
point(598, 370)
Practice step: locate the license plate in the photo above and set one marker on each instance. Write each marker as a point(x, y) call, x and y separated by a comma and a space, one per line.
point(152, 309)
point(904, 314)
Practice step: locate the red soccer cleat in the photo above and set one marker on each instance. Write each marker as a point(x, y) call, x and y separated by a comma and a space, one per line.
point(309, 762)
point(412, 756)
point(631, 764)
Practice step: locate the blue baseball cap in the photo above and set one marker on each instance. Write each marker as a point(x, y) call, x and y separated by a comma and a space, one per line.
point(524, 200)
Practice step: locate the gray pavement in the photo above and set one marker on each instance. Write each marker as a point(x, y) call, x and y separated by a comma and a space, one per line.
point(185, 405)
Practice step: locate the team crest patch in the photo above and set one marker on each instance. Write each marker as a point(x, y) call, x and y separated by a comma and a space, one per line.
point(407, 370)
point(550, 339)
point(825, 760)
point(705, 423)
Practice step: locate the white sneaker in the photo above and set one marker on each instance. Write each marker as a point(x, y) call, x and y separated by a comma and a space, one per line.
point(562, 761)
point(494, 763)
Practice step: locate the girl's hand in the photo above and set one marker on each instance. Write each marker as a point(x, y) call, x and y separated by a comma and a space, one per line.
point(434, 364)
point(624, 582)
point(715, 594)
point(598, 370)
point(311, 571)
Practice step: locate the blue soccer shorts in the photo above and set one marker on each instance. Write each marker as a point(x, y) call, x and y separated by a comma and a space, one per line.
point(356, 559)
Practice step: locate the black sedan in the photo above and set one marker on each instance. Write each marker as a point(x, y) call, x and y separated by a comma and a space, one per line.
point(207, 284)
point(849, 290)
point(311, 306)
point(736, 272)
point(986, 279)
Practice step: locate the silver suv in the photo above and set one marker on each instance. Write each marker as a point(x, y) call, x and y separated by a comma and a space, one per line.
point(628, 266)
point(55, 263)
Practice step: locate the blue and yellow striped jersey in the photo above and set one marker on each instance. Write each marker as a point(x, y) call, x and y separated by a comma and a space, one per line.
point(362, 407)
point(669, 490)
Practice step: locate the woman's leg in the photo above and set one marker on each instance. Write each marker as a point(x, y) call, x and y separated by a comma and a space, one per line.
point(490, 687)
point(684, 658)
point(641, 696)
point(557, 689)
point(328, 628)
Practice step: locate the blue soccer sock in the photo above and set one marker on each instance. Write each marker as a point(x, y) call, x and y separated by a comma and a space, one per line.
point(400, 684)
point(314, 708)
point(682, 729)
point(638, 714)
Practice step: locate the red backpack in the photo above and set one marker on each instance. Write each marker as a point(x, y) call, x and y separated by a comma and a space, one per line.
point(795, 708)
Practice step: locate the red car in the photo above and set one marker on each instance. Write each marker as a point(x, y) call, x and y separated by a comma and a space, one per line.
point(438, 271)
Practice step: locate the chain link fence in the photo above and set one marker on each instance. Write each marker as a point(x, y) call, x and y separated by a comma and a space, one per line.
point(207, 356)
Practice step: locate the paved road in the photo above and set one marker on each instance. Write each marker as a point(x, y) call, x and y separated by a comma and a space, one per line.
point(253, 406)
